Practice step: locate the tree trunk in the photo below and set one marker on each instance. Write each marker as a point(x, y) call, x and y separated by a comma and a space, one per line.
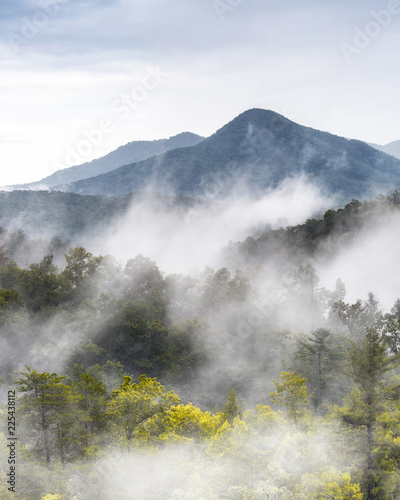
point(319, 377)
point(60, 437)
point(46, 439)
point(370, 486)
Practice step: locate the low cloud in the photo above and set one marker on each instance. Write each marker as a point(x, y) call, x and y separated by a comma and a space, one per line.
point(370, 263)
point(184, 240)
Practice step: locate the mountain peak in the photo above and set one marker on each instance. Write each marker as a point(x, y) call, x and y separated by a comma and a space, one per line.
point(254, 120)
point(258, 113)
point(186, 134)
point(128, 153)
point(258, 149)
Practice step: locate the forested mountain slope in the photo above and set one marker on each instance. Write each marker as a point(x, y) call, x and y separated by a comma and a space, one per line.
point(131, 152)
point(255, 152)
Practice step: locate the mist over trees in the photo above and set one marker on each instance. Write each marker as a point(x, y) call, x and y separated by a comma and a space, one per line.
point(248, 381)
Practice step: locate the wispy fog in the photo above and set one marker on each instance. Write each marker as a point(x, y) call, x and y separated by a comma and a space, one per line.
point(370, 263)
point(203, 316)
point(183, 241)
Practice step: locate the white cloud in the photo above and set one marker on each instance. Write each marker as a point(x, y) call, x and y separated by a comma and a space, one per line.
point(370, 264)
point(185, 241)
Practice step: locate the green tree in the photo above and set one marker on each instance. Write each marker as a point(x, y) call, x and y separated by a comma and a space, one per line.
point(79, 273)
point(179, 352)
point(355, 318)
point(291, 393)
point(9, 271)
point(39, 285)
point(46, 404)
point(92, 403)
point(328, 485)
point(391, 328)
point(182, 422)
point(318, 358)
point(304, 294)
point(232, 407)
point(369, 362)
point(145, 285)
point(135, 336)
point(219, 287)
point(134, 403)
point(10, 301)
point(9, 274)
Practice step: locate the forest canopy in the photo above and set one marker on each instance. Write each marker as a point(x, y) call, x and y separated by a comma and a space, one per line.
point(232, 383)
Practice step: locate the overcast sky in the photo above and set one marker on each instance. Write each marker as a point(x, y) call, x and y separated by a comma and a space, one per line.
point(80, 78)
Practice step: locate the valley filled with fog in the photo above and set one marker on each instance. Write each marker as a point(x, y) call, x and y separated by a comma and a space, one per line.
point(199, 250)
point(204, 344)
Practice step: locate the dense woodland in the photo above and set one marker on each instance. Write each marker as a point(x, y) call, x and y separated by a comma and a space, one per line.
point(246, 382)
point(69, 215)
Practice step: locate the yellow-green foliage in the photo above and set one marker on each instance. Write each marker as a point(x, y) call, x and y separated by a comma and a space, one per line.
point(251, 456)
point(229, 439)
point(262, 418)
point(180, 423)
point(190, 422)
point(291, 394)
point(135, 403)
point(328, 485)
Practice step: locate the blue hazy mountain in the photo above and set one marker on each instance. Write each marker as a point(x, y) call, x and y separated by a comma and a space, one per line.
point(393, 148)
point(256, 151)
point(129, 153)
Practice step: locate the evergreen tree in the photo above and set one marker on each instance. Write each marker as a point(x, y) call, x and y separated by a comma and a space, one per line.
point(291, 393)
point(47, 405)
point(91, 401)
point(304, 294)
point(318, 358)
point(232, 407)
point(391, 327)
point(369, 362)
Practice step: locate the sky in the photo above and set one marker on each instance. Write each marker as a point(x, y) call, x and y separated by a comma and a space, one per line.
point(79, 78)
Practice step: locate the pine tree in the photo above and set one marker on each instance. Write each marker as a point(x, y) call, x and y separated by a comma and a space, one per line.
point(232, 407)
point(291, 393)
point(318, 358)
point(369, 362)
point(47, 404)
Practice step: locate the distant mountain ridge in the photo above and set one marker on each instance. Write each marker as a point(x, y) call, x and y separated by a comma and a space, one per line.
point(257, 151)
point(131, 152)
point(393, 148)
point(44, 214)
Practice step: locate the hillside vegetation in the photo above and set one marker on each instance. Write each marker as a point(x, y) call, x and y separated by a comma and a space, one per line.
point(220, 386)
